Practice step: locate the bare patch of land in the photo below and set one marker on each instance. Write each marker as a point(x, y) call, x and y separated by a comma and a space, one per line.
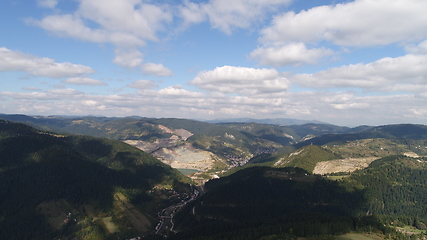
point(343, 165)
point(176, 155)
point(111, 227)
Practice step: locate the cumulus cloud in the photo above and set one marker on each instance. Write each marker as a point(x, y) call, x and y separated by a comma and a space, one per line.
point(84, 81)
point(51, 94)
point(143, 84)
point(356, 23)
point(191, 13)
point(289, 54)
point(73, 26)
point(344, 108)
point(178, 91)
point(123, 23)
point(31, 89)
point(241, 80)
point(156, 69)
point(127, 24)
point(228, 15)
point(128, 57)
point(387, 74)
point(45, 67)
point(420, 48)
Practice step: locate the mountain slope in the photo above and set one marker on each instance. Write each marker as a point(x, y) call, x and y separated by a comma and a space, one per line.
point(306, 158)
point(285, 203)
point(83, 175)
point(288, 202)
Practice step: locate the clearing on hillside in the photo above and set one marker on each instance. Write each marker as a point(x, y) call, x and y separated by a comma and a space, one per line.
point(342, 165)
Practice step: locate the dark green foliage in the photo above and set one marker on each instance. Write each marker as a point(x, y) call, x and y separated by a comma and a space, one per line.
point(261, 201)
point(36, 167)
point(394, 185)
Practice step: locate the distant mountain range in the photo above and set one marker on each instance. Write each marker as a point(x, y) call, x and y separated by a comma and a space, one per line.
point(214, 147)
point(274, 121)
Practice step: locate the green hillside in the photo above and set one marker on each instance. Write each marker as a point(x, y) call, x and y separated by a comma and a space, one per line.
point(399, 131)
point(394, 186)
point(379, 141)
point(306, 158)
point(286, 203)
point(79, 174)
point(275, 133)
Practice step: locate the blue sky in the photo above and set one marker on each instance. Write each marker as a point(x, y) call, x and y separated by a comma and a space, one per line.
point(343, 62)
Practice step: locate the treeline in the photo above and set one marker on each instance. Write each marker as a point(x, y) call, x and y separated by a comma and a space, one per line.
point(394, 186)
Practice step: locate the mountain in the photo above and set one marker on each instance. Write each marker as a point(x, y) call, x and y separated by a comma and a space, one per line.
point(306, 158)
point(286, 203)
point(398, 131)
point(215, 148)
point(351, 148)
point(182, 143)
point(62, 186)
point(275, 121)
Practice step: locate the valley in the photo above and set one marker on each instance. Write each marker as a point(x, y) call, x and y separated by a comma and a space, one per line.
point(244, 180)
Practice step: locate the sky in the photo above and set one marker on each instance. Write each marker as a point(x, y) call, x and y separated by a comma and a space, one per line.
point(349, 63)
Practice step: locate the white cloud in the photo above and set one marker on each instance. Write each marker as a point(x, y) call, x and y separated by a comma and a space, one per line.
point(241, 80)
point(156, 69)
point(421, 48)
point(143, 84)
point(289, 54)
point(356, 23)
point(47, 3)
point(386, 74)
point(123, 23)
point(128, 57)
point(31, 89)
point(64, 92)
point(46, 67)
point(52, 94)
point(178, 91)
point(73, 26)
point(174, 101)
point(191, 13)
point(227, 15)
point(84, 81)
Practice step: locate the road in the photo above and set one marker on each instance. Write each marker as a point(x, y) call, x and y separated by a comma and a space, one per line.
point(166, 225)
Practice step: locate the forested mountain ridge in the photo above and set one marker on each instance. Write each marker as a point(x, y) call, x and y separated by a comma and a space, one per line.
point(350, 148)
point(285, 203)
point(214, 148)
point(51, 182)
